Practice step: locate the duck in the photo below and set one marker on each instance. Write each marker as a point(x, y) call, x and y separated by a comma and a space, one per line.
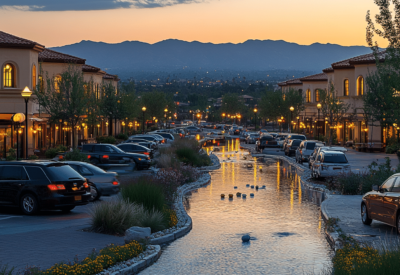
point(251, 195)
point(256, 187)
point(222, 196)
point(235, 187)
point(231, 196)
point(247, 185)
point(252, 187)
point(238, 194)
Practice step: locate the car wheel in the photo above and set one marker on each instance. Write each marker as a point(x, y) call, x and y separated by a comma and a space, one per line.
point(29, 204)
point(67, 209)
point(94, 193)
point(366, 220)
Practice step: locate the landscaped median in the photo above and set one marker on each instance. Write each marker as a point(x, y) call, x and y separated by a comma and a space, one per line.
point(148, 212)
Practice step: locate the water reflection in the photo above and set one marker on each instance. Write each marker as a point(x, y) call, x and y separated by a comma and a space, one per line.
point(287, 231)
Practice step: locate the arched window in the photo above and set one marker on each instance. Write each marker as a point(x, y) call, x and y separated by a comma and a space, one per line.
point(316, 95)
point(308, 95)
point(346, 87)
point(9, 75)
point(360, 85)
point(34, 76)
point(57, 80)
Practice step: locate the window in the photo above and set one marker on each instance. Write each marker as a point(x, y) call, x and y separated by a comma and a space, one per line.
point(316, 95)
point(346, 87)
point(360, 85)
point(9, 75)
point(13, 173)
point(34, 76)
point(36, 173)
point(57, 80)
point(308, 95)
point(388, 184)
point(284, 97)
point(62, 173)
point(396, 187)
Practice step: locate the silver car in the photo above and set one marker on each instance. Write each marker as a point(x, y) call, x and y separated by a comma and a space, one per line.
point(101, 183)
point(317, 150)
point(305, 150)
point(330, 164)
point(252, 138)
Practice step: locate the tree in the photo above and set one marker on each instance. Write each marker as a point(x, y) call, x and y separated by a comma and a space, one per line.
point(64, 98)
point(155, 103)
point(232, 104)
point(333, 108)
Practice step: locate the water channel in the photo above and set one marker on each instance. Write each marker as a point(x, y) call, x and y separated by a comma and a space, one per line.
point(286, 230)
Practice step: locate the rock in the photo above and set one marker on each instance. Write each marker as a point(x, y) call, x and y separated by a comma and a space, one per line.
point(136, 233)
point(251, 195)
point(252, 186)
point(246, 238)
point(235, 187)
point(247, 185)
point(243, 196)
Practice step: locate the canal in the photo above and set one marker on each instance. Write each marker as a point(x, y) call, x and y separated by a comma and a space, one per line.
point(286, 230)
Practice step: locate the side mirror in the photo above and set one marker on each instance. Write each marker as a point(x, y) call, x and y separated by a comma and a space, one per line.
point(375, 188)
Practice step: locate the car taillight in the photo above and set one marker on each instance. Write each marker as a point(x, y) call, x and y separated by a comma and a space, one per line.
point(86, 185)
point(55, 187)
point(88, 156)
point(105, 157)
point(146, 153)
point(115, 182)
point(60, 157)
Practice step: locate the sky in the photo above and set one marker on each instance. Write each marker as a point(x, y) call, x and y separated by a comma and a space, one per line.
point(57, 23)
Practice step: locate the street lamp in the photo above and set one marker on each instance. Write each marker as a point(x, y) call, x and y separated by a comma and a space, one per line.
point(291, 117)
point(239, 116)
point(255, 118)
point(26, 94)
point(298, 123)
point(143, 110)
point(319, 106)
point(165, 115)
point(198, 118)
point(223, 116)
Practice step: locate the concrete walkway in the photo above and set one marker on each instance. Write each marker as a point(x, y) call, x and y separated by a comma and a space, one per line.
point(348, 210)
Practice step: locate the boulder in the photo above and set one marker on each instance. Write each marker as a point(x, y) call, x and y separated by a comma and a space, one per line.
point(137, 233)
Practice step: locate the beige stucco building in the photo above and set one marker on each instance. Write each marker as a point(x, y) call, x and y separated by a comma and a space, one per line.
point(349, 80)
point(26, 63)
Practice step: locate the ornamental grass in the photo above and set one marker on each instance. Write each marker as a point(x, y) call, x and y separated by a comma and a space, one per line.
point(6, 270)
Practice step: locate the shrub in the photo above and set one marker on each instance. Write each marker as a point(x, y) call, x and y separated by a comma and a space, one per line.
point(51, 153)
point(168, 161)
point(76, 155)
point(5, 270)
point(393, 148)
point(145, 192)
point(106, 139)
point(171, 217)
point(153, 128)
point(189, 173)
point(154, 219)
point(180, 143)
point(33, 157)
point(11, 155)
point(122, 136)
point(191, 157)
point(61, 148)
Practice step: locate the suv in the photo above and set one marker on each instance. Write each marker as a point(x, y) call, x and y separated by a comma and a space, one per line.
point(41, 185)
point(266, 141)
point(111, 154)
point(329, 164)
point(305, 150)
point(292, 136)
point(292, 146)
point(135, 148)
point(317, 150)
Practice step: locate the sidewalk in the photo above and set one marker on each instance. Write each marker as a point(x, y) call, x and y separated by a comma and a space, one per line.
point(348, 210)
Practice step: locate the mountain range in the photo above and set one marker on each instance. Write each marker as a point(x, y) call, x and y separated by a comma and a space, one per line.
point(130, 58)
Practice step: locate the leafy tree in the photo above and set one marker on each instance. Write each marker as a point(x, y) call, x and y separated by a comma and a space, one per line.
point(64, 98)
point(333, 108)
point(232, 104)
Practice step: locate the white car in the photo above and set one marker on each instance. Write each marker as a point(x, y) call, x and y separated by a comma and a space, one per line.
point(305, 150)
point(330, 164)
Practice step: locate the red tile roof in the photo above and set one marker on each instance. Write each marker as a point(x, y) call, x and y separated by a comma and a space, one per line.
point(110, 76)
point(282, 83)
point(90, 69)
point(362, 59)
point(11, 41)
point(294, 81)
point(57, 57)
point(328, 70)
point(315, 77)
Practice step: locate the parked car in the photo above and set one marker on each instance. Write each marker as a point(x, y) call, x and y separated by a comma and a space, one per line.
point(101, 183)
point(143, 142)
point(220, 126)
point(317, 150)
point(111, 154)
point(382, 203)
point(329, 164)
point(305, 150)
point(143, 137)
point(234, 130)
point(34, 186)
point(167, 136)
point(192, 130)
point(160, 139)
point(266, 141)
point(136, 148)
point(292, 146)
point(292, 136)
point(252, 138)
point(280, 141)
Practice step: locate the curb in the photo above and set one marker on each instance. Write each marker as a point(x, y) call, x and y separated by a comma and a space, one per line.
point(142, 264)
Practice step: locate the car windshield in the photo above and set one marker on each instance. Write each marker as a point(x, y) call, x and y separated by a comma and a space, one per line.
point(267, 138)
point(296, 142)
point(339, 158)
point(116, 149)
point(62, 173)
point(254, 135)
point(94, 168)
point(298, 137)
point(310, 146)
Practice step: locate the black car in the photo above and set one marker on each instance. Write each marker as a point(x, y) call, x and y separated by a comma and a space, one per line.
point(136, 148)
point(41, 185)
point(266, 141)
point(101, 183)
point(292, 146)
point(108, 154)
point(143, 142)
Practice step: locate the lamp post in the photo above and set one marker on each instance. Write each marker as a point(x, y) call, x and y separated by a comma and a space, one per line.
point(291, 117)
point(165, 115)
point(223, 116)
point(319, 106)
point(143, 110)
point(279, 121)
point(298, 124)
point(198, 118)
point(239, 116)
point(255, 118)
point(26, 94)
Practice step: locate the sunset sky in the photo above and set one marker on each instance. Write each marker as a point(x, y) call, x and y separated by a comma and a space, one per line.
point(57, 23)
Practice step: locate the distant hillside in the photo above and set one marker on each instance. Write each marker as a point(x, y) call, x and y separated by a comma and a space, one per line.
point(132, 57)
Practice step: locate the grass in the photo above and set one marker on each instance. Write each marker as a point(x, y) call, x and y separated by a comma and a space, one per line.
point(6, 270)
point(193, 158)
point(145, 192)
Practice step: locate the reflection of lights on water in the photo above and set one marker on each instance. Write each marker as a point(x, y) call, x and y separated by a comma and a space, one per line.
point(319, 221)
point(198, 137)
point(278, 175)
point(299, 187)
point(291, 198)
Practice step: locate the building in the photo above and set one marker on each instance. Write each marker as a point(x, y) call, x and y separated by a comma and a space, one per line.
point(348, 77)
point(27, 63)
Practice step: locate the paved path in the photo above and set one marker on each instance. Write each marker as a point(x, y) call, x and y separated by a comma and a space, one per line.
point(347, 209)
